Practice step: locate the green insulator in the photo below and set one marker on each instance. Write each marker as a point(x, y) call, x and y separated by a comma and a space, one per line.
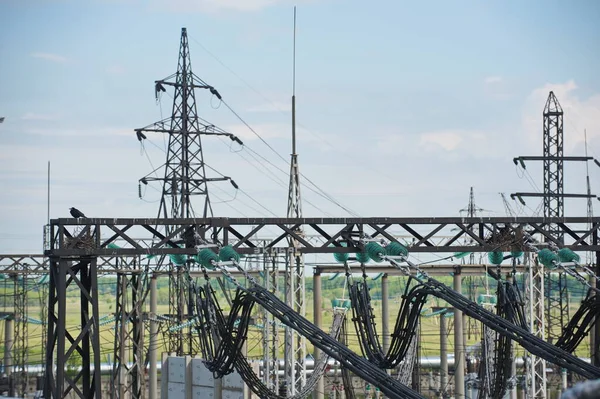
point(112, 245)
point(340, 256)
point(547, 257)
point(396, 249)
point(206, 257)
point(495, 257)
point(178, 259)
point(335, 303)
point(375, 251)
point(460, 255)
point(227, 253)
point(516, 254)
point(346, 304)
point(362, 257)
point(566, 255)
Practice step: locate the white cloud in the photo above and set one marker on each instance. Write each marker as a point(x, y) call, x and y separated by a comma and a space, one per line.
point(32, 116)
point(217, 5)
point(579, 114)
point(84, 132)
point(497, 88)
point(275, 106)
point(51, 57)
point(449, 140)
point(116, 70)
point(493, 79)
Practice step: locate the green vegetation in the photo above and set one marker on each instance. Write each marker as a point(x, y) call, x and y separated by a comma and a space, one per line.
point(332, 288)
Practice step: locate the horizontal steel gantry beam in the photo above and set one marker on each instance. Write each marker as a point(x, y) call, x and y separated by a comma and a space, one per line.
point(99, 236)
point(12, 265)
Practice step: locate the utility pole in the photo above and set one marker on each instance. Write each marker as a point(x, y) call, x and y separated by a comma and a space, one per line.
point(295, 344)
point(184, 178)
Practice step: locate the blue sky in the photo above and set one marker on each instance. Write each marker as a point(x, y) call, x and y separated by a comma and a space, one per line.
point(402, 106)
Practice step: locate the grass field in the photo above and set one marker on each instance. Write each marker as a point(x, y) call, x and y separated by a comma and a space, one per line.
point(429, 330)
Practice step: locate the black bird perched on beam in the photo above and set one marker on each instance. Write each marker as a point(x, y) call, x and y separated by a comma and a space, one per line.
point(76, 213)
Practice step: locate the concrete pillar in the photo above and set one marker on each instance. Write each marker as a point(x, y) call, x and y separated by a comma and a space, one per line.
point(123, 380)
point(8, 345)
point(592, 282)
point(319, 392)
point(443, 354)
point(513, 390)
point(459, 345)
point(385, 312)
point(153, 344)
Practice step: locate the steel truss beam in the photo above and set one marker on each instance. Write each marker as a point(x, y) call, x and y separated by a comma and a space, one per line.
point(77, 245)
point(68, 236)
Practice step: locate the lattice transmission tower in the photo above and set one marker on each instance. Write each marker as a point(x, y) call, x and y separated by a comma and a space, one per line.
point(184, 178)
point(552, 286)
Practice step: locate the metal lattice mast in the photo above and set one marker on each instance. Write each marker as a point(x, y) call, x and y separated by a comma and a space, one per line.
point(556, 312)
point(270, 330)
point(184, 177)
point(295, 344)
point(471, 210)
point(554, 207)
point(536, 366)
point(20, 332)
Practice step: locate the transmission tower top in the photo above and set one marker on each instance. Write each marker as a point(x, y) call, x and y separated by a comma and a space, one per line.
point(184, 170)
point(552, 105)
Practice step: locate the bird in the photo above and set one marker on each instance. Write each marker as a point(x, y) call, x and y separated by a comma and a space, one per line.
point(76, 213)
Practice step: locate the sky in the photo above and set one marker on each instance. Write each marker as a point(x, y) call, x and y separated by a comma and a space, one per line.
point(401, 106)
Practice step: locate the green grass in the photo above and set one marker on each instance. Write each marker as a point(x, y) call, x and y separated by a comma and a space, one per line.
point(429, 338)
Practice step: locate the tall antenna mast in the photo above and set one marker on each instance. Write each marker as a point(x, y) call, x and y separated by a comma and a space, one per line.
point(590, 207)
point(294, 90)
point(295, 344)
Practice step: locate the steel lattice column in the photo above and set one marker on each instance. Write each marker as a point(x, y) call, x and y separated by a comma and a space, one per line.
point(537, 325)
point(176, 309)
point(274, 368)
point(43, 297)
point(295, 285)
point(20, 348)
point(73, 355)
point(128, 376)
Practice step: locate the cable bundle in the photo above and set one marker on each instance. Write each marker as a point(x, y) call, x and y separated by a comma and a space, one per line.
point(580, 324)
point(221, 339)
